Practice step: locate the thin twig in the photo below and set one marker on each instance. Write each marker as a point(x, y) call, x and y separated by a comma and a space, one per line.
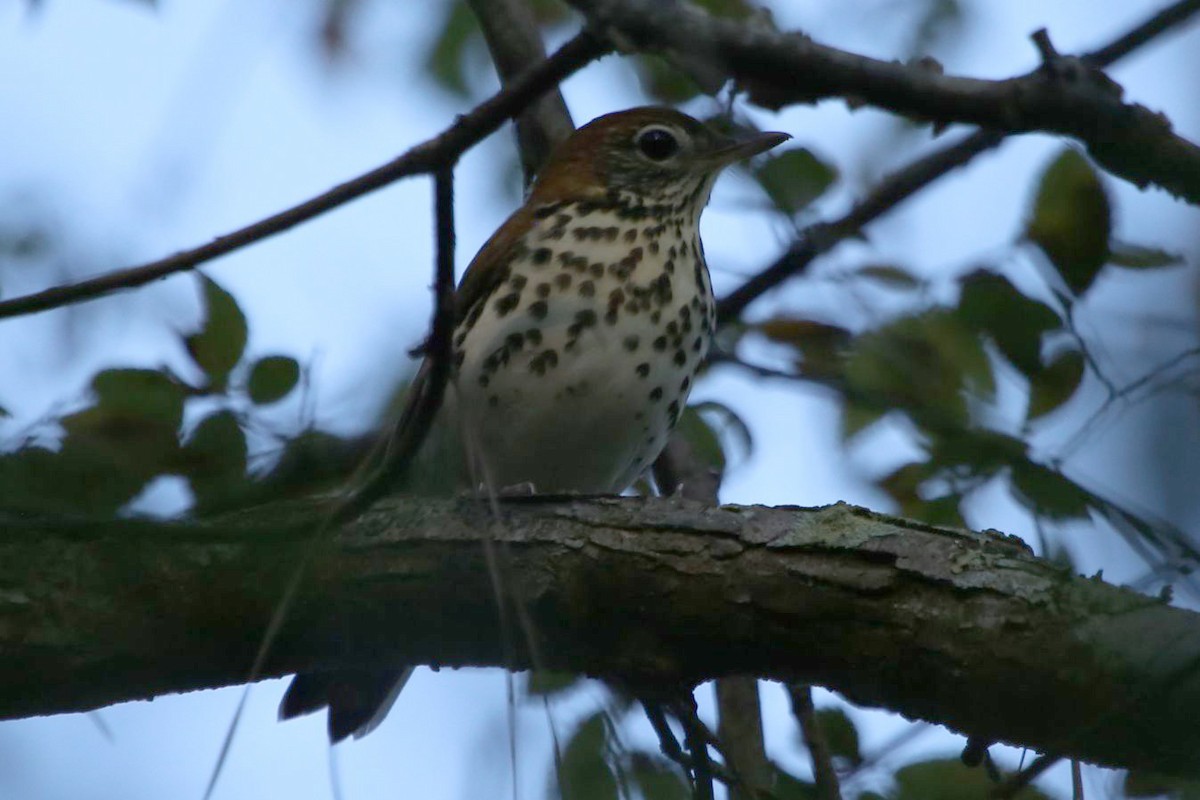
point(398, 450)
point(426, 157)
point(824, 775)
point(1019, 780)
point(821, 237)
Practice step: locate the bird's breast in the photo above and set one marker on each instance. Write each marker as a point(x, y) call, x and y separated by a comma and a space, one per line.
point(575, 367)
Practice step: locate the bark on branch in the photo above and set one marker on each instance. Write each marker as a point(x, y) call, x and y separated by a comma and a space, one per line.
point(1068, 96)
point(959, 628)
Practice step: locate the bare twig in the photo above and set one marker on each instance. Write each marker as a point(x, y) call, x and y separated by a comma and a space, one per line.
point(821, 237)
point(426, 157)
point(515, 43)
point(824, 775)
point(1076, 100)
point(1019, 780)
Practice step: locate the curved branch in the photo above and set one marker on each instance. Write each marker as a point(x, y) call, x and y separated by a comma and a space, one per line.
point(1065, 96)
point(442, 150)
point(965, 629)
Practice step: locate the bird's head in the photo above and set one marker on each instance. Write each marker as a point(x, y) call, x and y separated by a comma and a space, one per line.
point(650, 152)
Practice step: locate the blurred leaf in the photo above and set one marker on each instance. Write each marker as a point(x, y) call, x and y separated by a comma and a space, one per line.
point(794, 178)
point(447, 58)
point(542, 682)
point(144, 394)
point(990, 304)
point(840, 734)
point(663, 81)
point(820, 347)
point(983, 452)
point(1134, 256)
point(726, 426)
point(923, 365)
point(1150, 784)
point(892, 276)
point(1048, 493)
point(219, 345)
point(706, 444)
point(271, 378)
point(657, 778)
point(787, 786)
point(214, 461)
point(857, 418)
point(585, 773)
point(941, 21)
point(949, 779)
point(1072, 220)
point(1054, 385)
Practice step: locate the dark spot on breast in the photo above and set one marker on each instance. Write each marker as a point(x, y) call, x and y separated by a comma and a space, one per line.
point(484, 379)
point(660, 344)
point(610, 316)
point(547, 359)
point(631, 235)
point(653, 248)
point(656, 394)
point(630, 343)
point(680, 358)
point(517, 282)
point(515, 340)
point(562, 280)
point(597, 269)
point(696, 345)
point(543, 290)
point(507, 303)
point(547, 210)
point(643, 369)
point(493, 400)
point(587, 288)
point(541, 255)
point(586, 317)
point(686, 383)
point(673, 410)
point(538, 309)
point(611, 232)
point(534, 336)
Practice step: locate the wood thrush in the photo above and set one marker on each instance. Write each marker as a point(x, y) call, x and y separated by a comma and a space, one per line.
point(580, 327)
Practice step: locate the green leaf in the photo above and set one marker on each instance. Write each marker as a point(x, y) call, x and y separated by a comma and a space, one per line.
point(1151, 784)
point(949, 779)
point(446, 60)
point(1134, 256)
point(794, 178)
point(663, 81)
point(540, 682)
point(1054, 385)
point(1048, 493)
point(147, 395)
point(1072, 220)
point(219, 344)
point(923, 365)
point(889, 275)
point(990, 304)
point(272, 378)
point(214, 461)
point(840, 733)
point(657, 778)
point(820, 347)
point(586, 774)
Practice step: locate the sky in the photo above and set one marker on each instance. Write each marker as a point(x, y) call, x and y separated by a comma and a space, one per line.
point(144, 131)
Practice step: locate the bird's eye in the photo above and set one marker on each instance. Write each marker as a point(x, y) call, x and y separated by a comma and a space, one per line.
point(657, 144)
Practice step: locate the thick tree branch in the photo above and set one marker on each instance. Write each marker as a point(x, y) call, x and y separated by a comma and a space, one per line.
point(442, 150)
point(1066, 96)
point(964, 629)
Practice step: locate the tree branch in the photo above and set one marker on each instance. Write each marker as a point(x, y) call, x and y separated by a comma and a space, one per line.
point(1068, 96)
point(515, 42)
point(442, 150)
point(964, 629)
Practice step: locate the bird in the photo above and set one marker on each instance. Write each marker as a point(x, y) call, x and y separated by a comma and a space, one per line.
point(579, 329)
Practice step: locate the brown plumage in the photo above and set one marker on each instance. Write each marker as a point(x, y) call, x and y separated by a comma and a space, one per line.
point(580, 327)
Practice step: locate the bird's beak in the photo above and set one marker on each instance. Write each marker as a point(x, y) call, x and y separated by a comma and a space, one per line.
point(733, 150)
